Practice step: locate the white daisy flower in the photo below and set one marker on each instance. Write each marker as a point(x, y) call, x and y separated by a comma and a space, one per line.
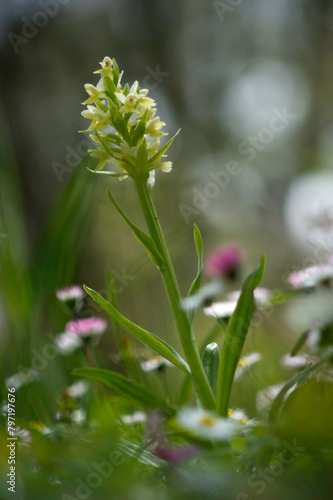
point(298, 362)
point(222, 309)
point(207, 425)
point(310, 310)
point(309, 211)
point(79, 416)
point(70, 294)
point(265, 397)
point(246, 362)
point(261, 295)
point(226, 308)
point(137, 417)
point(205, 295)
point(66, 343)
point(238, 416)
point(77, 390)
point(155, 363)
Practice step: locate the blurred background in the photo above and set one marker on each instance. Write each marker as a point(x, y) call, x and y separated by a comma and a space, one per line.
point(250, 85)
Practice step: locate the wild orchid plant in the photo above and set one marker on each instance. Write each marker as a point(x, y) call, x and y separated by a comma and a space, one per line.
point(127, 135)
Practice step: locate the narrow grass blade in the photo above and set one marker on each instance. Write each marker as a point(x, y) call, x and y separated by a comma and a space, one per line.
point(149, 339)
point(278, 401)
point(129, 389)
point(201, 257)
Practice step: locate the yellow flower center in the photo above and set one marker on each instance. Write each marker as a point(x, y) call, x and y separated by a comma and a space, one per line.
point(242, 362)
point(207, 421)
point(240, 420)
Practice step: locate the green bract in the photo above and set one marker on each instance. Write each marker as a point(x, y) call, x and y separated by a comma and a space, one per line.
point(124, 127)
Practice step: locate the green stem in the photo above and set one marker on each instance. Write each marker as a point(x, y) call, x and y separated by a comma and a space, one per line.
point(172, 289)
point(212, 335)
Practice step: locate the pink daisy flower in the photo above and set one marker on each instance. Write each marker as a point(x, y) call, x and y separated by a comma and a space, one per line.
point(312, 276)
point(71, 295)
point(225, 261)
point(87, 327)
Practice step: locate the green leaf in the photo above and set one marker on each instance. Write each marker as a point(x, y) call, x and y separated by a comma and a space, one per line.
point(111, 89)
point(138, 131)
point(115, 72)
point(118, 121)
point(210, 361)
point(299, 343)
point(142, 171)
point(112, 138)
point(201, 257)
point(306, 415)
point(235, 337)
point(141, 236)
point(149, 339)
point(140, 454)
point(278, 401)
point(129, 389)
point(162, 150)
